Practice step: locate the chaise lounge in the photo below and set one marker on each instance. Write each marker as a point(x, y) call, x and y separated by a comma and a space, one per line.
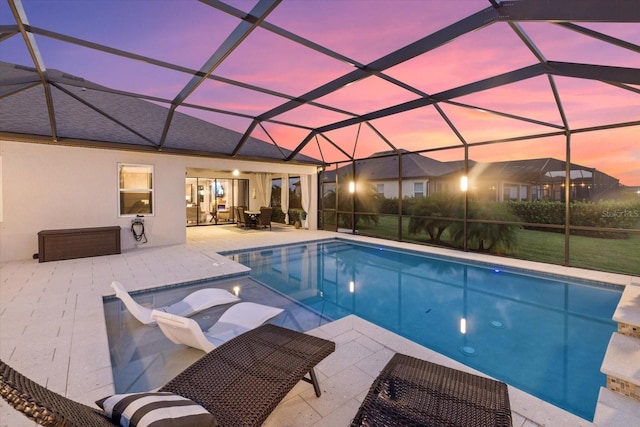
point(239, 383)
point(415, 392)
point(238, 319)
point(188, 306)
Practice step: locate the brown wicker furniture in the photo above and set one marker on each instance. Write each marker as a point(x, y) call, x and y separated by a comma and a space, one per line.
point(414, 392)
point(240, 382)
point(265, 217)
point(242, 217)
point(55, 245)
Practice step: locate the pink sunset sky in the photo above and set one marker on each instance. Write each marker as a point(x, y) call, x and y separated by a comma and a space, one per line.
point(187, 33)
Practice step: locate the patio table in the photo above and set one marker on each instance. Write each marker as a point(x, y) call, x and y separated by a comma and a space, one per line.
point(255, 217)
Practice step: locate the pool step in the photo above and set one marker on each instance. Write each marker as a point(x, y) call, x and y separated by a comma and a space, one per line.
point(615, 410)
point(619, 403)
point(621, 365)
point(627, 313)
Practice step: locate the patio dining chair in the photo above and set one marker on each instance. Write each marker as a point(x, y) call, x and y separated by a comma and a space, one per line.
point(238, 384)
point(241, 217)
point(265, 217)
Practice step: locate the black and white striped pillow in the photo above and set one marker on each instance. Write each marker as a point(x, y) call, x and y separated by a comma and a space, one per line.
point(155, 410)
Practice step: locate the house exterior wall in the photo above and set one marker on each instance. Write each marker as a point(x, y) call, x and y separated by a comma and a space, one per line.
point(408, 187)
point(47, 186)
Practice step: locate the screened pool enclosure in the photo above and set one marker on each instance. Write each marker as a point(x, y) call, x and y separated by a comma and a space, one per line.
point(507, 127)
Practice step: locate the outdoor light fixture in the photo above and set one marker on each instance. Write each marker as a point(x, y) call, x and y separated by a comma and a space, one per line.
point(464, 183)
point(352, 286)
point(235, 172)
point(236, 290)
point(352, 187)
point(463, 326)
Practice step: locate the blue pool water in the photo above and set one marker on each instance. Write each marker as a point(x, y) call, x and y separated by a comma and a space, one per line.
point(546, 335)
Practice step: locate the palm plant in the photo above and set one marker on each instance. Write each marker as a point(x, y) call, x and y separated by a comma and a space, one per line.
point(432, 215)
point(488, 237)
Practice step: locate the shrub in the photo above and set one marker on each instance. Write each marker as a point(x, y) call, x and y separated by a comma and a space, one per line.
point(426, 211)
point(605, 214)
point(387, 206)
point(485, 236)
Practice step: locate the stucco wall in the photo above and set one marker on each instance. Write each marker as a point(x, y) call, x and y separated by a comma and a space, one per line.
point(391, 187)
point(53, 187)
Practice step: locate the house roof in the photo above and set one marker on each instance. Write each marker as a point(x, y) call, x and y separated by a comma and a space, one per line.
point(534, 170)
point(89, 112)
point(383, 166)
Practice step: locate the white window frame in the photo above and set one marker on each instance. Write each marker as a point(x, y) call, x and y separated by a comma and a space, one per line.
point(136, 190)
point(421, 193)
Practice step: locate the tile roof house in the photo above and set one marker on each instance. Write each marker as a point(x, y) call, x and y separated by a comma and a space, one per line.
point(528, 179)
point(72, 181)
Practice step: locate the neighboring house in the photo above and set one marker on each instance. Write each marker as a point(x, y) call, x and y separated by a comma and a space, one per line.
point(530, 179)
point(538, 179)
point(421, 174)
point(106, 165)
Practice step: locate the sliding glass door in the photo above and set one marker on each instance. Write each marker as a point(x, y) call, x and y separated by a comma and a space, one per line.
point(211, 201)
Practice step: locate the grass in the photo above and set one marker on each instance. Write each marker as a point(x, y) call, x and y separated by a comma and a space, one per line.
point(613, 255)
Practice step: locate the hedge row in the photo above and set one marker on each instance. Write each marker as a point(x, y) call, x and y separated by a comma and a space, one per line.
point(605, 214)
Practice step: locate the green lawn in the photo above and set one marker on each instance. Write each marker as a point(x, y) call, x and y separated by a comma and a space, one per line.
point(614, 255)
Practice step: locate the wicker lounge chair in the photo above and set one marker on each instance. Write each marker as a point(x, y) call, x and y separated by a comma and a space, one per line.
point(414, 392)
point(188, 306)
point(240, 382)
point(236, 320)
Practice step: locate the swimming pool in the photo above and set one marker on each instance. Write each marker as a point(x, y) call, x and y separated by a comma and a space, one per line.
point(544, 334)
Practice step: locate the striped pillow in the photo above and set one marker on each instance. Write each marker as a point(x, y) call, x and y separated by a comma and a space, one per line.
point(155, 410)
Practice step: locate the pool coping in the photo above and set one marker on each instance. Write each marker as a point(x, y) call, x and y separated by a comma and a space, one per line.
point(449, 257)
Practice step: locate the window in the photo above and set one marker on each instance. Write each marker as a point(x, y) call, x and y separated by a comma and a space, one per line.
point(418, 189)
point(511, 192)
point(380, 189)
point(295, 192)
point(135, 185)
point(276, 192)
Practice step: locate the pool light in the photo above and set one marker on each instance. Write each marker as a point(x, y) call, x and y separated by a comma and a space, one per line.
point(468, 350)
point(463, 326)
point(352, 286)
